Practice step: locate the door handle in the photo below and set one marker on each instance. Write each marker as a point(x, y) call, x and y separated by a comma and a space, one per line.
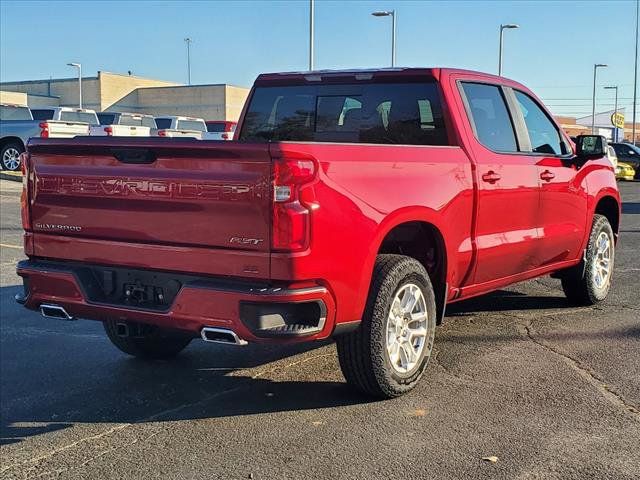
point(547, 176)
point(491, 177)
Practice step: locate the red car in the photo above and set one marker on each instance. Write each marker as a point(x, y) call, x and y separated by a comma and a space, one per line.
point(220, 129)
point(354, 205)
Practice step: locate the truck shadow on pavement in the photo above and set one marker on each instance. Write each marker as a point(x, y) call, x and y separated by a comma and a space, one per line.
point(55, 374)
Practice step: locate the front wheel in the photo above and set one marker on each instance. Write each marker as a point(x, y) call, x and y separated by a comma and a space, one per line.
point(146, 341)
point(387, 355)
point(10, 156)
point(590, 282)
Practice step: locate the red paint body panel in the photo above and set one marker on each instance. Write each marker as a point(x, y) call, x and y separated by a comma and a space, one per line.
point(182, 213)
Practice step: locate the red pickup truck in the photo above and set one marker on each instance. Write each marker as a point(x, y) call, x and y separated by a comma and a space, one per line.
point(352, 204)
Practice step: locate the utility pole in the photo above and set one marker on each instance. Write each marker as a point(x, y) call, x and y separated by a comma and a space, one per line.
point(311, 32)
point(79, 67)
point(392, 14)
point(615, 111)
point(593, 100)
point(188, 41)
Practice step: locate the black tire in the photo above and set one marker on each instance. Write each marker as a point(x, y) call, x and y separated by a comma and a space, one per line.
point(7, 156)
point(579, 283)
point(146, 341)
point(363, 354)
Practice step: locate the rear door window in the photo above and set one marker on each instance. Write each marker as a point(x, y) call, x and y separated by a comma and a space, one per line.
point(137, 121)
point(381, 113)
point(215, 127)
point(491, 119)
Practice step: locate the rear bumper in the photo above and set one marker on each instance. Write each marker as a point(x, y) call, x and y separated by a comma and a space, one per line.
point(200, 302)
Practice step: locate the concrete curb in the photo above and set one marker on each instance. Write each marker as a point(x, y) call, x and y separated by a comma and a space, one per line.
point(11, 177)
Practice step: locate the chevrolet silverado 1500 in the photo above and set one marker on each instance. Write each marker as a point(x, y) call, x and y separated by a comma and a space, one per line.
point(354, 204)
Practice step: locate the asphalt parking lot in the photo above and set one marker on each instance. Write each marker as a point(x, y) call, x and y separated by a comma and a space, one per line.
point(551, 390)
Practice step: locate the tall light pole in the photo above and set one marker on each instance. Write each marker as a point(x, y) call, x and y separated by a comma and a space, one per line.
point(503, 27)
point(79, 67)
point(392, 14)
point(593, 106)
point(188, 41)
point(635, 78)
point(615, 110)
point(311, 32)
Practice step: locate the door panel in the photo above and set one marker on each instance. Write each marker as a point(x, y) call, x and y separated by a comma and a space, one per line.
point(508, 212)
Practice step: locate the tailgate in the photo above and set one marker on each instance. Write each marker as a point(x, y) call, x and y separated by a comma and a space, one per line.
point(162, 192)
point(60, 129)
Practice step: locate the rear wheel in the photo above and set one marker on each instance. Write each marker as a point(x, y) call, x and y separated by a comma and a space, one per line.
point(146, 341)
point(387, 355)
point(10, 156)
point(589, 283)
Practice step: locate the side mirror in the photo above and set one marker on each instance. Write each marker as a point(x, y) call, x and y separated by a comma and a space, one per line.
point(589, 147)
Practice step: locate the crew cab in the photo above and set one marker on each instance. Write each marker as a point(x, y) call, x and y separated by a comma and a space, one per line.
point(122, 124)
point(177, 126)
point(18, 124)
point(353, 204)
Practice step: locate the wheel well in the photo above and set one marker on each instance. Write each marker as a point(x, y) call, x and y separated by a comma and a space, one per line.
point(424, 242)
point(7, 140)
point(608, 206)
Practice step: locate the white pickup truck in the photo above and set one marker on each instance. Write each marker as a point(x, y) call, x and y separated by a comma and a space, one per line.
point(122, 124)
point(18, 124)
point(175, 126)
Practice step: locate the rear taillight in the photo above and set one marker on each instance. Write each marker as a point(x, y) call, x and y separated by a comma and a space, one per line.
point(108, 131)
point(162, 133)
point(24, 197)
point(225, 136)
point(292, 202)
point(44, 130)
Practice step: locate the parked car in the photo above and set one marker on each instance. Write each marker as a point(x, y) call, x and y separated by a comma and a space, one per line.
point(176, 126)
point(354, 204)
point(630, 154)
point(220, 130)
point(17, 125)
point(625, 171)
point(611, 155)
point(121, 124)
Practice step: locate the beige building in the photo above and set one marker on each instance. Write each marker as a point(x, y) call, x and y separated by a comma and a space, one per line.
point(129, 93)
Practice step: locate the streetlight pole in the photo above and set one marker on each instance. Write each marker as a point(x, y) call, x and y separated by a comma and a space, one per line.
point(615, 111)
point(188, 42)
point(503, 27)
point(392, 14)
point(593, 105)
point(635, 78)
point(79, 67)
point(311, 32)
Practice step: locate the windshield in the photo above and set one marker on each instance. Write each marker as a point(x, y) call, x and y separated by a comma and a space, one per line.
point(106, 118)
point(383, 113)
point(9, 112)
point(163, 123)
point(215, 127)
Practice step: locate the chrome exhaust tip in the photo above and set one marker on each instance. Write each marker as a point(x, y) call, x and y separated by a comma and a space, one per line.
point(221, 335)
point(54, 311)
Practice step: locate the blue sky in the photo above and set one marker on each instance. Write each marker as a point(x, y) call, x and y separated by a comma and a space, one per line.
point(553, 52)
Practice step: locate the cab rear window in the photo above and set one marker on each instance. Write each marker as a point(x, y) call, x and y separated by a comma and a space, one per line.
point(381, 113)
